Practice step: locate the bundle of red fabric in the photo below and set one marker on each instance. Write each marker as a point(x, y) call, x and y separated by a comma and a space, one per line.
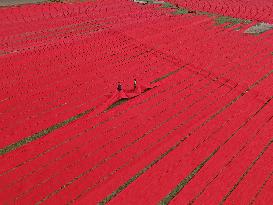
point(127, 94)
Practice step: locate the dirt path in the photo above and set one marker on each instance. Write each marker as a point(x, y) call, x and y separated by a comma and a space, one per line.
point(19, 2)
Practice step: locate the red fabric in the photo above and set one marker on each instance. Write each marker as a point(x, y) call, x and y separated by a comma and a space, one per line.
point(62, 60)
point(127, 94)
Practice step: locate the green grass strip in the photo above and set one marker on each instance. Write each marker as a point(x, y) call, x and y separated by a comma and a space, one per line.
point(181, 11)
point(42, 133)
point(204, 13)
point(227, 19)
point(168, 5)
point(238, 28)
point(183, 183)
point(126, 184)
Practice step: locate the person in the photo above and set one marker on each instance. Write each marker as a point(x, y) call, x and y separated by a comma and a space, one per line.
point(119, 86)
point(135, 83)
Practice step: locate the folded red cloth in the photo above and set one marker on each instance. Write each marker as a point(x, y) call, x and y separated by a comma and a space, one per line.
point(127, 94)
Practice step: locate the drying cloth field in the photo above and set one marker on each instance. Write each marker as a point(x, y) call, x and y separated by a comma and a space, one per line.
point(198, 128)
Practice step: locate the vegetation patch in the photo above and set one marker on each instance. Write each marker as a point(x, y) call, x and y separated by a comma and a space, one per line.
point(259, 28)
point(227, 19)
point(205, 13)
point(181, 11)
point(238, 28)
point(168, 5)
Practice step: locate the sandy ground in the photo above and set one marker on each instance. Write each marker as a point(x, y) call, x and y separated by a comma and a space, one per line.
point(18, 2)
point(259, 28)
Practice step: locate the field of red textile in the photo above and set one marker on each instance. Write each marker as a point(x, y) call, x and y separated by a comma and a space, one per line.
point(201, 134)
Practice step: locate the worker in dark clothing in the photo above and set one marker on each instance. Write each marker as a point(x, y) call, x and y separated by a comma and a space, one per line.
point(135, 83)
point(119, 86)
